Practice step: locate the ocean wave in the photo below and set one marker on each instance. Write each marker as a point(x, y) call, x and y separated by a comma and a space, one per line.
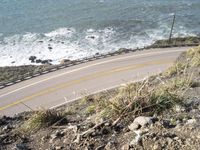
point(67, 43)
point(61, 32)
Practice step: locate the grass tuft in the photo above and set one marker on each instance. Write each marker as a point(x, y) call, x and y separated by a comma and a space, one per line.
point(41, 119)
point(140, 98)
point(177, 68)
point(194, 55)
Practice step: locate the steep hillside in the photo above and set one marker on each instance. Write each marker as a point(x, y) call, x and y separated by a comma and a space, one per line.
point(160, 112)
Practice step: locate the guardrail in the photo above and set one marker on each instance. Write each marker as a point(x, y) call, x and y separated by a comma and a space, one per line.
point(84, 60)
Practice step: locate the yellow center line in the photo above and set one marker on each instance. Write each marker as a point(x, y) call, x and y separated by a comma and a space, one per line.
point(86, 78)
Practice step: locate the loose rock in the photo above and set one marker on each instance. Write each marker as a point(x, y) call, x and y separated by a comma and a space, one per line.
point(143, 121)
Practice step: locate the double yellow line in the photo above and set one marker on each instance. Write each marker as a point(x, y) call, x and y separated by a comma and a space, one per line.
point(87, 78)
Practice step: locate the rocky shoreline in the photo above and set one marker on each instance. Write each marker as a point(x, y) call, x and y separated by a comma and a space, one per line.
point(14, 73)
point(161, 112)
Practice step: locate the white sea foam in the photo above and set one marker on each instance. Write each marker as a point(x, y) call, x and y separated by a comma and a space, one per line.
point(61, 32)
point(68, 43)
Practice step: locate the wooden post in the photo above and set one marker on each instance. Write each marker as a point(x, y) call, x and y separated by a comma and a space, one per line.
point(170, 36)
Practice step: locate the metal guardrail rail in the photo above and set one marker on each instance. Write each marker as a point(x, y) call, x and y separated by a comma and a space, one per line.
point(93, 58)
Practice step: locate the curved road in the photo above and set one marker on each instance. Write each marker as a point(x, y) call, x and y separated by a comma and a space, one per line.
point(57, 88)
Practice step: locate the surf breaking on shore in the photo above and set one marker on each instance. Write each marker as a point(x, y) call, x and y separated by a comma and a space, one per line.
point(68, 43)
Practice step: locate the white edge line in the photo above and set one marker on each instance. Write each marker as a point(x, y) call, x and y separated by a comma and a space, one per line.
point(99, 91)
point(75, 99)
point(95, 64)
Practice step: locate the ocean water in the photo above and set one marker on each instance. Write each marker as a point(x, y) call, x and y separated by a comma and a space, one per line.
point(81, 28)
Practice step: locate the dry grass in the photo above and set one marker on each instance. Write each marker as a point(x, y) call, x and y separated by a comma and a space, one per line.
point(41, 119)
point(194, 56)
point(177, 68)
point(141, 98)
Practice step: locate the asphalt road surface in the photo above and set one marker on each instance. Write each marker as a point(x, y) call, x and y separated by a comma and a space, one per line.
point(57, 88)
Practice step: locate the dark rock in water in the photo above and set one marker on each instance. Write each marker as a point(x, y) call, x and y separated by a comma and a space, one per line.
point(96, 53)
point(92, 37)
point(13, 62)
point(38, 61)
point(50, 48)
point(50, 40)
point(32, 58)
point(63, 42)
point(40, 41)
point(46, 61)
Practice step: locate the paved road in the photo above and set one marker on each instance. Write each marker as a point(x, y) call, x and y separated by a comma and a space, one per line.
point(57, 88)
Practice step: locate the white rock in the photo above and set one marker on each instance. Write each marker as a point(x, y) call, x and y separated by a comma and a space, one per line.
point(134, 126)
point(125, 147)
point(191, 121)
point(143, 121)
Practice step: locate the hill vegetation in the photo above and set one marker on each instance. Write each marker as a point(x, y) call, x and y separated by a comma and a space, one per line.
point(160, 112)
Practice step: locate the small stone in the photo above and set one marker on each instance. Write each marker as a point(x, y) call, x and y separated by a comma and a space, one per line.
point(143, 121)
point(58, 147)
point(110, 146)
point(7, 127)
point(169, 140)
point(179, 108)
point(125, 147)
point(176, 138)
point(157, 146)
point(191, 121)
